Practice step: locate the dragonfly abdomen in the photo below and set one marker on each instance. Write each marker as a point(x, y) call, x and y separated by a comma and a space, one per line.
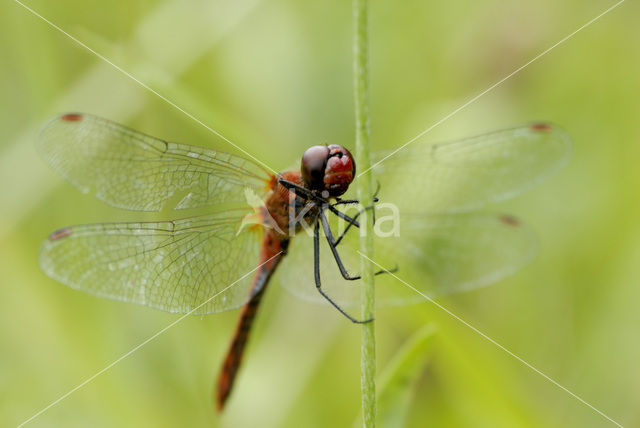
point(273, 249)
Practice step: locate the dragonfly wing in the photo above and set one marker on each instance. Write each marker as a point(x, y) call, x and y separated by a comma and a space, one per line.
point(465, 175)
point(453, 253)
point(130, 170)
point(437, 254)
point(202, 264)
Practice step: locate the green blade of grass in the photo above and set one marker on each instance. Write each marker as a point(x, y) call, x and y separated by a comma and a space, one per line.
point(398, 380)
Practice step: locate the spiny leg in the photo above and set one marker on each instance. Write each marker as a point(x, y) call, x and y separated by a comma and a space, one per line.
point(350, 201)
point(351, 223)
point(334, 251)
point(316, 272)
point(343, 216)
point(309, 195)
point(357, 201)
point(354, 223)
point(336, 255)
point(299, 190)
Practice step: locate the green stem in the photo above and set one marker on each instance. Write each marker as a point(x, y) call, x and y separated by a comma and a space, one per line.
point(363, 162)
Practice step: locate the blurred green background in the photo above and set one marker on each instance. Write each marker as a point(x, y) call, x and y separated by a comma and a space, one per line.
point(275, 77)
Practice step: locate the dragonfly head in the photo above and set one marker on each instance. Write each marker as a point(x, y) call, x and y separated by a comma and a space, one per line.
point(329, 168)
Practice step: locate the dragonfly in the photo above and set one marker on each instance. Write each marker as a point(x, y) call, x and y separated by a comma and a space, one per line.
point(224, 259)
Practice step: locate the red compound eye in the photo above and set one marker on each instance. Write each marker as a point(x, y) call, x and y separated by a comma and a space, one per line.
point(329, 168)
point(339, 171)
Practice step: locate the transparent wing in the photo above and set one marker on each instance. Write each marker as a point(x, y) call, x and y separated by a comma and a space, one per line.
point(464, 175)
point(175, 266)
point(437, 254)
point(131, 170)
point(461, 252)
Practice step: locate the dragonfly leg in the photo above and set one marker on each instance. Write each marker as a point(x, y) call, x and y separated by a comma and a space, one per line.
point(346, 202)
point(355, 223)
point(350, 201)
point(343, 216)
point(357, 201)
point(300, 190)
point(334, 250)
point(308, 194)
point(316, 272)
point(344, 233)
point(336, 255)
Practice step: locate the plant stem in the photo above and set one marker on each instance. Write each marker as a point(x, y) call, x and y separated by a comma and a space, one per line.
point(363, 162)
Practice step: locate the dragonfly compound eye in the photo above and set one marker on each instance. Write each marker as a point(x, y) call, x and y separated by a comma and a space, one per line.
point(329, 168)
point(339, 171)
point(314, 162)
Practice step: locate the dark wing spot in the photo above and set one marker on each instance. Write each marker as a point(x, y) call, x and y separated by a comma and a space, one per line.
point(71, 117)
point(543, 127)
point(509, 220)
point(60, 233)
